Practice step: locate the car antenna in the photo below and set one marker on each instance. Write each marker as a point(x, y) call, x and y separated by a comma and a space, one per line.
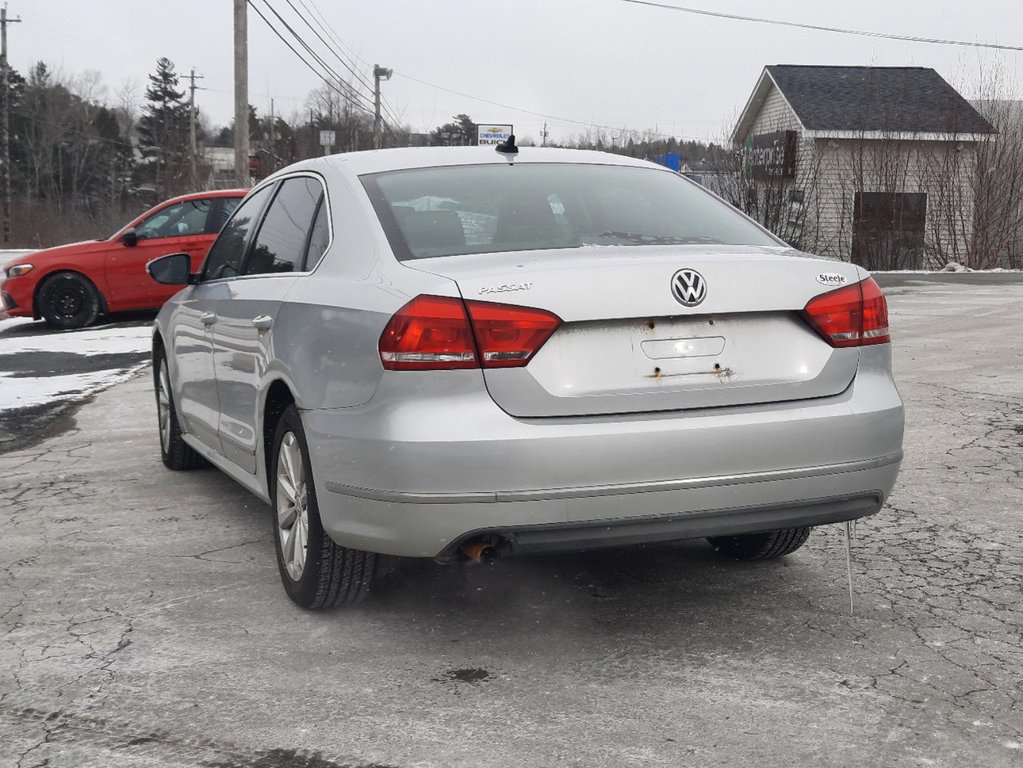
point(507, 146)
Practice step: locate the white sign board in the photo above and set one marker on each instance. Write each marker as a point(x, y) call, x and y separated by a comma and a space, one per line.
point(486, 133)
point(327, 138)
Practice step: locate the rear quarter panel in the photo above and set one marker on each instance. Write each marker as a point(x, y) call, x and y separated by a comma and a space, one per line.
point(327, 331)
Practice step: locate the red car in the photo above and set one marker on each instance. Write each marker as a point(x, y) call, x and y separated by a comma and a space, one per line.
point(71, 285)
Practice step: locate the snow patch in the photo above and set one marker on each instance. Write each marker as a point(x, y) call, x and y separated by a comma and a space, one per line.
point(24, 392)
point(102, 340)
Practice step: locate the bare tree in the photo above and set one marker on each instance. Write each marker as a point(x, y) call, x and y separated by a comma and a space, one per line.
point(997, 188)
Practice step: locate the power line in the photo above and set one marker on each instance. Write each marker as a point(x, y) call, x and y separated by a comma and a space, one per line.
point(340, 49)
point(319, 59)
point(353, 94)
point(555, 118)
point(347, 97)
point(344, 62)
point(821, 28)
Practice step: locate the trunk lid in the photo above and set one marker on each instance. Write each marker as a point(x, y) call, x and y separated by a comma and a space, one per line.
point(628, 345)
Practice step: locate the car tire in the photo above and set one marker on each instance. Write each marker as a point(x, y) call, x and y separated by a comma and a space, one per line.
point(316, 572)
point(68, 300)
point(761, 546)
point(175, 452)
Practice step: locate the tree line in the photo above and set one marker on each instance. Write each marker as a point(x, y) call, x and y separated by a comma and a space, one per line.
point(82, 161)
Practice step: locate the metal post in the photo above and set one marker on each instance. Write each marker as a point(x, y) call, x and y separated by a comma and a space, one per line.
point(379, 73)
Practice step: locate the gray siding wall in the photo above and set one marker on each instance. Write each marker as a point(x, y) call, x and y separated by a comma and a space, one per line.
point(830, 172)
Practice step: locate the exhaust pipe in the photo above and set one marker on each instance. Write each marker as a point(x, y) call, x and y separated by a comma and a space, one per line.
point(480, 551)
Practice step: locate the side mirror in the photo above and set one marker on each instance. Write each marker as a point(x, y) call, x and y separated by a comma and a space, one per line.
point(130, 238)
point(171, 269)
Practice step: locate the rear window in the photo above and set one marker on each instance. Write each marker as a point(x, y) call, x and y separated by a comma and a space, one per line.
point(491, 208)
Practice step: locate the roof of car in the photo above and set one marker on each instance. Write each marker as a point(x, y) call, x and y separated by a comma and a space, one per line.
point(208, 193)
point(377, 161)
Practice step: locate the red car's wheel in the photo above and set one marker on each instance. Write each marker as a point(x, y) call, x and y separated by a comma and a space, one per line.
point(68, 300)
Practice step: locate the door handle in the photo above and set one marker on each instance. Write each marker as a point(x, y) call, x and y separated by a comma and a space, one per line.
point(263, 322)
point(207, 318)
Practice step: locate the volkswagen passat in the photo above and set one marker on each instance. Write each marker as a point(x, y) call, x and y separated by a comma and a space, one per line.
point(470, 352)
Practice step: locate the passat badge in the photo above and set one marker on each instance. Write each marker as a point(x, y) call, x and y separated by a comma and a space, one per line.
point(688, 287)
point(831, 278)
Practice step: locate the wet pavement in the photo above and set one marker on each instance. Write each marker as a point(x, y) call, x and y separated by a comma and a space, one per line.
point(142, 622)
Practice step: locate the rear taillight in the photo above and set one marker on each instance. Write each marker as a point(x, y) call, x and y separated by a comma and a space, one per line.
point(443, 333)
point(853, 316)
point(509, 336)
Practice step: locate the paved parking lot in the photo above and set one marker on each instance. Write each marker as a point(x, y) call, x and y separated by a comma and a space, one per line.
point(142, 622)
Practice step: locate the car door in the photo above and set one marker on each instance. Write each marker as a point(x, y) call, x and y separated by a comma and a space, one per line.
point(181, 227)
point(192, 324)
point(243, 332)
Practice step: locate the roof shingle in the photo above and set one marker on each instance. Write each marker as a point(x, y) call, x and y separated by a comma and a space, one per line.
point(891, 99)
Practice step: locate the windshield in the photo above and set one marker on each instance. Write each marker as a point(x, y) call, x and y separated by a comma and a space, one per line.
point(490, 208)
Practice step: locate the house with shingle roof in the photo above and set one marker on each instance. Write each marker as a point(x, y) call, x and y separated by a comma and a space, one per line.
point(869, 164)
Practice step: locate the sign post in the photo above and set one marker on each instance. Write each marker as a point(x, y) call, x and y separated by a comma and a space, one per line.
point(327, 141)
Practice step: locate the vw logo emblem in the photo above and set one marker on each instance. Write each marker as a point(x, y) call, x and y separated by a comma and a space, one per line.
point(688, 287)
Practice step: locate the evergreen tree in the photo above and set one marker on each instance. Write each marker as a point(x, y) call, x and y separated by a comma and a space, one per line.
point(461, 131)
point(163, 133)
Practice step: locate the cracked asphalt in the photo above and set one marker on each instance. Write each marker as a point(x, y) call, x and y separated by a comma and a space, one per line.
point(142, 622)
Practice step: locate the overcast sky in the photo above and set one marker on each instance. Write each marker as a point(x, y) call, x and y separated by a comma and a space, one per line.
point(606, 62)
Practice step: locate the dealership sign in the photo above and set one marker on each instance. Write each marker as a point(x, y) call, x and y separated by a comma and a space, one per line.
point(487, 133)
point(770, 155)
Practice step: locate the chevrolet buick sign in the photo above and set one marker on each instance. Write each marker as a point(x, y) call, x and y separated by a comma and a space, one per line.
point(493, 134)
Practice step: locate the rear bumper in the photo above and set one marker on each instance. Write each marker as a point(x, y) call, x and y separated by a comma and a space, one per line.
point(590, 518)
point(415, 477)
point(628, 532)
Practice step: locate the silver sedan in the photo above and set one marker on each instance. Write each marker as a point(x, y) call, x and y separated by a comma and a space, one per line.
point(466, 353)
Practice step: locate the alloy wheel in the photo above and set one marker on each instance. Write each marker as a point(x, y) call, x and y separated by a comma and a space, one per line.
point(164, 409)
point(292, 506)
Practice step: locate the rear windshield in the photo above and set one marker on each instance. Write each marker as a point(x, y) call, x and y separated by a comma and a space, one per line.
point(490, 208)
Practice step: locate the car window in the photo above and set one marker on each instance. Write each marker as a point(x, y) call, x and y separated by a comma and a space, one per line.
point(186, 218)
point(281, 241)
point(488, 208)
point(319, 236)
point(225, 257)
point(222, 210)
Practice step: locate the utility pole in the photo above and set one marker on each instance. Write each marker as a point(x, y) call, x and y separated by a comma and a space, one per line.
point(5, 148)
point(273, 140)
point(192, 88)
point(379, 73)
point(543, 136)
point(241, 94)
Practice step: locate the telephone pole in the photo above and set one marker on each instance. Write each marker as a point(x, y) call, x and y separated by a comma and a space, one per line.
point(241, 94)
point(379, 73)
point(272, 156)
point(5, 148)
point(192, 88)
